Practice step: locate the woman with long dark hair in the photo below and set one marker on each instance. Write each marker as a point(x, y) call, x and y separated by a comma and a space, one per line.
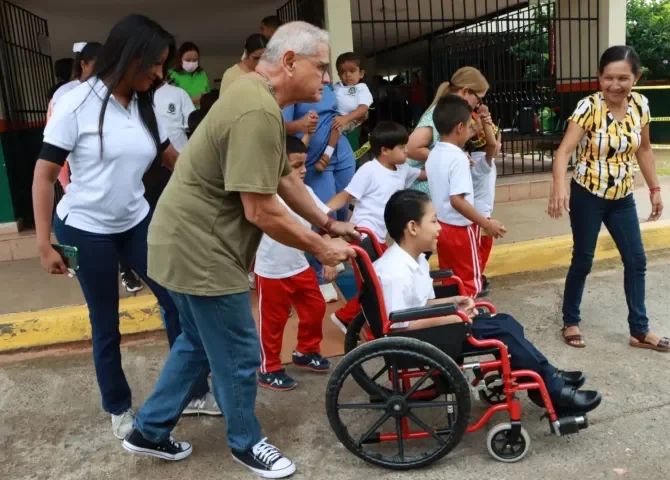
point(188, 74)
point(108, 128)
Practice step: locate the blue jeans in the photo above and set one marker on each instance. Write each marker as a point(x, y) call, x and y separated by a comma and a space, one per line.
point(329, 183)
point(587, 213)
point(98, 275)
point(217, 331)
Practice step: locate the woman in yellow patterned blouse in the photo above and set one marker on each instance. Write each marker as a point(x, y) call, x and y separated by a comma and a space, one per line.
point(606, 131)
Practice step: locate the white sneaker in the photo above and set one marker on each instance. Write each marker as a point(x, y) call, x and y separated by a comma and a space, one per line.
point(123, 424)
point(265, 460)
point(329, 293)
point(205, 405)
point(252, 280)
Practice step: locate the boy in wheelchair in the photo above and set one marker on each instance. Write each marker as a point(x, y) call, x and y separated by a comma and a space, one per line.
point(404, 276)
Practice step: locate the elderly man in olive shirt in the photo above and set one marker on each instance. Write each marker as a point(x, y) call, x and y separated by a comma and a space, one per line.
point(205, 232)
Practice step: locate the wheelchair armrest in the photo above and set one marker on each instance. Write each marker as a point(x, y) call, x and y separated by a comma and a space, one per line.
point(438, 274)
point(420, 313)
point(487, 305)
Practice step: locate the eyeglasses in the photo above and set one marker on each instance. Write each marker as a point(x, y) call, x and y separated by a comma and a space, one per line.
point(480, 100)
point(321, 66)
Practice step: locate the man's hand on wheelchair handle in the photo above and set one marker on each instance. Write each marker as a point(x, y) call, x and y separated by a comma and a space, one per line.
point(345, 230)
point(334, 251)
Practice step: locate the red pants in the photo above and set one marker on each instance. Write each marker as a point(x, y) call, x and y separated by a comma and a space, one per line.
point(347, 313)
point(275, 297)
point(458, 250)
point(485, 246)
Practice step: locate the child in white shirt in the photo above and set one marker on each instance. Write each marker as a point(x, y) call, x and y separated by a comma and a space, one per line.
point(404, 277)
point(371, 187)
point(450, 182)
point(284, 278)
point(353, 102)
point(174, 106)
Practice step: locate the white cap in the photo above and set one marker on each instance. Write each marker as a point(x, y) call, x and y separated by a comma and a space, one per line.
point(78, 47)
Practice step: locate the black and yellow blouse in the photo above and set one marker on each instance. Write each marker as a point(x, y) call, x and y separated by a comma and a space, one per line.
point(604, 157)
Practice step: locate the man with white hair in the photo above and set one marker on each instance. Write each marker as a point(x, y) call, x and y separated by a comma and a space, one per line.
point(204, 234)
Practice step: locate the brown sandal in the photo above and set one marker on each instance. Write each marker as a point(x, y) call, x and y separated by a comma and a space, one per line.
point(573, 338)
point(640, 341)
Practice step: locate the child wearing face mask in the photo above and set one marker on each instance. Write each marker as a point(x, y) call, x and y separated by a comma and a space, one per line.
point(188, 74)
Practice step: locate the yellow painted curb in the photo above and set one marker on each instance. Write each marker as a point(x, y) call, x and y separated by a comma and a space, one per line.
point(71, 324)
point(552, 252)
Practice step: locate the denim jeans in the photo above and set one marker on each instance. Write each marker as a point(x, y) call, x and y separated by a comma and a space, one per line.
point(98, 275)
point(222, 331)
point(587, 213)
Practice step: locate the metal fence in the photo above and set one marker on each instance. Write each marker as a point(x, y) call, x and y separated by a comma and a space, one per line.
point(311, 11)
point(26, 75)
point(539, 57)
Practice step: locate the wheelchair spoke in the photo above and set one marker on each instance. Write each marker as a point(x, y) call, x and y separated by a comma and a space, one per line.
point(395, 379)
point(426, 428)
point(431, 404)
point(373, 429)
point(380, 373)
point(401, 446)
point(420, 382)
point(361, 406)
point(379, 391)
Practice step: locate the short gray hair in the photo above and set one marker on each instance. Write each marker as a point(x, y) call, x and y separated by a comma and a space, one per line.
point(299, 37)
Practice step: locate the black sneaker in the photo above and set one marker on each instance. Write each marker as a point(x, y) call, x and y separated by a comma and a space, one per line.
point(486, 288)
point(278, 381)
point(167, 449)
point(265, 460)
point(131, 282)
point(311, 361)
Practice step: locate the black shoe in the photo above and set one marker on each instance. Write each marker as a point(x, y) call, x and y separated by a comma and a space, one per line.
point(572, 379)
point(569, 401)
point(167, 449)
point(277, 381)
point(486, 288)
point(131, 282)
point(265, 460)
point(311, 361)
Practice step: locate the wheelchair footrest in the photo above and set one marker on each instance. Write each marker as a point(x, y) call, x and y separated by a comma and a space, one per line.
point(569, 425)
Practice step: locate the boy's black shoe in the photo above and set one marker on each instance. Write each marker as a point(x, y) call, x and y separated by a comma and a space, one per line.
point(168, 449)
point(486, 288)
point(311, 361)
point(265, 460)
point(277, 381)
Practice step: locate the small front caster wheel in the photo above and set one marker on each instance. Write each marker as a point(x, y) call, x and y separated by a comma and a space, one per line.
point(493, 394)
point(502, 448)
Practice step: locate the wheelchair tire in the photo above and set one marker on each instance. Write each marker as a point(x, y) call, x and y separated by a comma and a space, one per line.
point(501, 450)
point(388, 348)
point(493, 395)
point(352, 339)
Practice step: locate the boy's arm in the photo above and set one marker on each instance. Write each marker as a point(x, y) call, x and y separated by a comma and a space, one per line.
point(493, 228)
point(489, 133)
point(339, 201)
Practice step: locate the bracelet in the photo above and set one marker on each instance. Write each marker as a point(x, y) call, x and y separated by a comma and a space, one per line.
point(329, 151)
point(654, 189)
point(328, 226)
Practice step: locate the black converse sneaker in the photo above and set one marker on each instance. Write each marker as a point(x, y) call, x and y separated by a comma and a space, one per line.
point(167, 449)
point(265, 460)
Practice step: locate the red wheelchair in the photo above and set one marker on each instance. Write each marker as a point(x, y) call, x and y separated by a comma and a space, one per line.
point(415, 402)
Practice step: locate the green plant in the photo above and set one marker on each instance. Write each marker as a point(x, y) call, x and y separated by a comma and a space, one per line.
point(648, 31)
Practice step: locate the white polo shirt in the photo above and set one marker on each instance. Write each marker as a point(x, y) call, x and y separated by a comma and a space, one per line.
point(448, 171)
point(174, 106)
point(372, 186)
point(483, 183)
point(350, 98)
point(405, 281)
point(69, 86)
point(275, 260)
point(106, 195)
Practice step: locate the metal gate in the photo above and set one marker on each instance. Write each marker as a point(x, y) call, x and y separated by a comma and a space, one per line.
point(26, 74)
point(538, 56)
point(311, 11)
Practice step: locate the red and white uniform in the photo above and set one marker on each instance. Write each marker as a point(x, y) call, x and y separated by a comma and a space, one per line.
point(448, 171)
point(284, 278)
point(484, 185)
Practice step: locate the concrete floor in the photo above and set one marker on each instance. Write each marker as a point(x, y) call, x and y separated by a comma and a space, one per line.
point(53, 427)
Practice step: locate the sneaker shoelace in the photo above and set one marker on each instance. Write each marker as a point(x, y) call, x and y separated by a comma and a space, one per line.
point(173, 444)
point(266, 453)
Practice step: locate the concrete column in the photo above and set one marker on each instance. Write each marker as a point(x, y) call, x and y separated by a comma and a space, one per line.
point(612, 17)
point(338, 24)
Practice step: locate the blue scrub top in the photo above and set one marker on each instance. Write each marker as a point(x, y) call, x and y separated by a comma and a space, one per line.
point(327, 110)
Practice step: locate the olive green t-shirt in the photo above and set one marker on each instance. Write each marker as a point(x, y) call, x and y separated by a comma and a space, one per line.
point(229, 76)
point(200, 242)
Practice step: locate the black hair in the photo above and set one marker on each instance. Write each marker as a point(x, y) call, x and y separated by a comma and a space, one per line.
point(194, 119)
point(207, 101)
point(348, 57)
point(294, 145)
point(254, 42)
point(387, 135)
point(184, 48)
point(133, 38)
point(90, 52)
point(272, 21)
point(451, 110)
point(403, 207)
point(619, 53)
point(63, 69)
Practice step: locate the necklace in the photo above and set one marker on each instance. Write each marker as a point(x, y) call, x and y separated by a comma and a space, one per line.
point(267, 80)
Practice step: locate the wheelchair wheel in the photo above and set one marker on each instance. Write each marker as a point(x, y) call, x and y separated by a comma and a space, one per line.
point(493, 395)
point(378, 431)
point(352, 339)
point(502, 449)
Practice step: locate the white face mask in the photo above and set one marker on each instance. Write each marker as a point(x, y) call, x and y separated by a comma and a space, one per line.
point(190, 67)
